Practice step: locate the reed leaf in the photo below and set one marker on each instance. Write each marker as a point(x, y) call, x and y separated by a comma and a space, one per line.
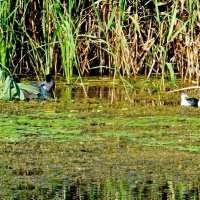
point(97, 14)
point(157, 13)
point(29, 88)
point(6, 92)
point(122, 9)
point(174, 36)
point(63, 25)
point(171, 72)
point(17, 92)
point(3, 52)
point(172, 23)
point(110, 21)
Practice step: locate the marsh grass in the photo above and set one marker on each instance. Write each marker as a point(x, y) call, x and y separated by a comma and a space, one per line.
point(115, 38)
point(7, 34)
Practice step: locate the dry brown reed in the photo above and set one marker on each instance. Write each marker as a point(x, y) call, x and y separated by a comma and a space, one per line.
point(142, 37)
point(109, 37)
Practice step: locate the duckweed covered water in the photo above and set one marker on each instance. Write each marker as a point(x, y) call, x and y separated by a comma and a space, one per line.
point(88, 148)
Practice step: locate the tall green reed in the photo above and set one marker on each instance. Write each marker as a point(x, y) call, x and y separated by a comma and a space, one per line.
point(37, 43)
point(64, 27)
point(7, 34)
point(116, 38)
point(48, 39)
point(38, 50)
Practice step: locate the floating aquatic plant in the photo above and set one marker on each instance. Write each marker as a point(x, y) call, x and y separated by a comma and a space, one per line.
point(11, 90)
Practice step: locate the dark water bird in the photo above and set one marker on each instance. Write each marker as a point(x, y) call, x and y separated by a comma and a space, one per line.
point(49, 83)
point(186, 101)
point(45, 93)
point(39, 90)
point(46, 87)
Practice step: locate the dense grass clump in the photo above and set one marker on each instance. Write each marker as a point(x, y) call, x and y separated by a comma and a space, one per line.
point(88, 37)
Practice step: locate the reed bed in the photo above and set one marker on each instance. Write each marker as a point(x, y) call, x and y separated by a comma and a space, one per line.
point(106, 37)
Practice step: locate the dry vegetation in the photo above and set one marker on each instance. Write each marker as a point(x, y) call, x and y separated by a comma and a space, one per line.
point(105, 37)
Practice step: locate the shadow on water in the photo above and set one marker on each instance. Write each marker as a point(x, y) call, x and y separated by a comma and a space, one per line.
point(100, 142)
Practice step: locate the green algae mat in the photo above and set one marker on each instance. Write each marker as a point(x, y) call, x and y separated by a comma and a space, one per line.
point(92, 149)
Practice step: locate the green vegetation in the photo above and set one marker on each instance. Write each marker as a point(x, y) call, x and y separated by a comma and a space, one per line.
point(101, 150)
point(150, 129)
point(116, 38)
point(80, 145)
point(10, 90)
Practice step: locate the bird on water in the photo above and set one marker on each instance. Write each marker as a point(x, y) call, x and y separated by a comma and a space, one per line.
point(46, 87)
point(49, 83)
point(41, 90)
point(186, 101)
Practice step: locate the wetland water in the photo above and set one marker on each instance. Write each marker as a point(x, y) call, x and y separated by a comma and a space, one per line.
point(103, 146)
